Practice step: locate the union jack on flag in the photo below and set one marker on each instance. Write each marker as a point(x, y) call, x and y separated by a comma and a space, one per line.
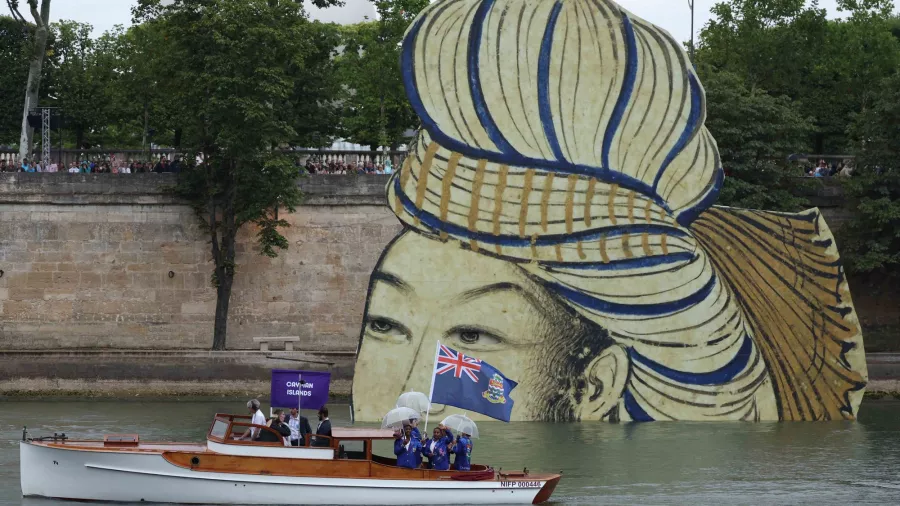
point(450, 361)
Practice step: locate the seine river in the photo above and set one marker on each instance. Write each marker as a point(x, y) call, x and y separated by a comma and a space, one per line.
point(656, 463)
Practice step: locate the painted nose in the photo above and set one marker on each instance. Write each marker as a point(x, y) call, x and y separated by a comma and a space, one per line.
point(422, 371)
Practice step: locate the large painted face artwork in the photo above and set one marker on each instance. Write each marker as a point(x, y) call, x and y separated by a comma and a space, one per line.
point(559, 224)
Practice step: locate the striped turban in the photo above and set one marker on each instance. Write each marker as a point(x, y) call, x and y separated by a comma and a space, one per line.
point(567, 136)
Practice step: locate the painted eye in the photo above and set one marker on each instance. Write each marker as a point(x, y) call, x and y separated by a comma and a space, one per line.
point(469, 336)
point(382, 326)
point(475, 339)
point(388, 330)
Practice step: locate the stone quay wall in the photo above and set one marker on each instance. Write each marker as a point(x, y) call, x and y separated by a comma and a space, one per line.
point(105, 287)
point(114, 262)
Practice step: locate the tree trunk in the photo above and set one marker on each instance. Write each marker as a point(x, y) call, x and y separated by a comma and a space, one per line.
point(33, 84)
point(223, 255)
point(223, 299)
point(146, 127)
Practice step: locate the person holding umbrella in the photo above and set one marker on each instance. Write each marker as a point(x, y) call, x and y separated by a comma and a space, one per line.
point(463, 450)
point(417, 435)
point(407, 448)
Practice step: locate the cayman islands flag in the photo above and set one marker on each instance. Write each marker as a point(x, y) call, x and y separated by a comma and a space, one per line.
point(471, 384)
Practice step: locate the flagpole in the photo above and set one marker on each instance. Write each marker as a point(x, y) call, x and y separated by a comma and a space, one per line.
point(437, 351)
point(300, 395)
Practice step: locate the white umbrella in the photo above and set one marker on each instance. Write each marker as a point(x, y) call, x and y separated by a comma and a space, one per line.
point(395, 418)
point(413, 400)
point(461, 423)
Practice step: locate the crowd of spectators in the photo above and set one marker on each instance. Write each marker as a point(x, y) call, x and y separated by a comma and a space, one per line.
point(315, 166)
point(822, 169)
point(97, 166)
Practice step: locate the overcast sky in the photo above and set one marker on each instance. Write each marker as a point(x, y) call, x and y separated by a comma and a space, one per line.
point(672, 15)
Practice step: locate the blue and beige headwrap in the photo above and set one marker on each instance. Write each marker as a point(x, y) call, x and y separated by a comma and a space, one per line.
point(568, 136)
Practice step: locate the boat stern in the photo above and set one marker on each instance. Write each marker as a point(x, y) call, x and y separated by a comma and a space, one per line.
point(547, 490)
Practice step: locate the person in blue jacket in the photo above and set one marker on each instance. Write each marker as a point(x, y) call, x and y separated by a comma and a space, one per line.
point(417, 435)
point(407, 448)
point(463, 450)
point(437, 449)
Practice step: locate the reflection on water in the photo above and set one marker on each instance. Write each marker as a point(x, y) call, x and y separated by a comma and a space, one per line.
point(656, 463)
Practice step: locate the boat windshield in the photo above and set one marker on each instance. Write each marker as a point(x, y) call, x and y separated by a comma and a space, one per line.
point(219, 428)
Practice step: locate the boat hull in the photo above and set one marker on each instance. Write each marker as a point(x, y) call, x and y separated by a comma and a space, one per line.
point(129, 476)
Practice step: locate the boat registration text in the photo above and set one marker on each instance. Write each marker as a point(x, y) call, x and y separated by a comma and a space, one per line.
point(520, 484)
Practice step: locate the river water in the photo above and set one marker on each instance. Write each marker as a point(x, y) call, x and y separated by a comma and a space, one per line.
point(654, 463)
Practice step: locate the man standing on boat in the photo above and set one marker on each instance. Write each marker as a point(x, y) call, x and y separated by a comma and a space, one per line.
point(257, 419)
point(299, 425)
point(323, 429)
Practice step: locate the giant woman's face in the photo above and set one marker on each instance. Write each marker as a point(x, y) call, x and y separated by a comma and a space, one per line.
point(426, 291)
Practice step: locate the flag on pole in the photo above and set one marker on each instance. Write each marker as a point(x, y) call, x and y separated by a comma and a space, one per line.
point(471, 384)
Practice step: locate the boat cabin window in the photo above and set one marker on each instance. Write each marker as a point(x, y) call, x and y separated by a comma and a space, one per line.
point(353, 450)
point(219, 429)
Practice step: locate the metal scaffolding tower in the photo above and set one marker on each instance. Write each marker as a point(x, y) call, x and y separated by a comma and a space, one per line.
point(45, 137)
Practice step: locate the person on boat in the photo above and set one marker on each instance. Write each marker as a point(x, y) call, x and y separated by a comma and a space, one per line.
point(463, 450)
point(257, 419)
point(277, 424)
point(299, 425)
point(437, 448)
point(407, 448)
point(417, 435)
point(323, 429)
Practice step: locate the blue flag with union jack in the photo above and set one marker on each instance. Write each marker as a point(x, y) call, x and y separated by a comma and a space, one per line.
point(470, 384)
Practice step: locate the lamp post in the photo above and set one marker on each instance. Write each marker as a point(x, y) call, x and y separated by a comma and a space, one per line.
point(691, 6)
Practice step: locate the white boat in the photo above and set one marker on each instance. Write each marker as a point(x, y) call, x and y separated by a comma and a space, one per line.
point(226, 470)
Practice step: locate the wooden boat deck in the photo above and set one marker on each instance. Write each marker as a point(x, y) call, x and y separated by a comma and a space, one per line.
point(140, 447)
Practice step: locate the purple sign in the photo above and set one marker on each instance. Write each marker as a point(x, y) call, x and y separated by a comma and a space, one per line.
point(287, 392)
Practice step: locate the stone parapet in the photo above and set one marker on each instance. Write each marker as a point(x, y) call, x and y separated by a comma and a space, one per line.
point(114, 261)
point(154, 189)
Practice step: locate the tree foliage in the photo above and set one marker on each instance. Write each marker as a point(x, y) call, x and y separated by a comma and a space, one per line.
point(235, 72)
point(15, 39)
point(376, 110)
point(754, 130)
point(783, 78)
point(829, 68)
point(871, 241)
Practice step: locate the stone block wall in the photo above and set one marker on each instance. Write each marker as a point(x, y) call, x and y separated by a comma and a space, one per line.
point(112, 261)
point(104, 261)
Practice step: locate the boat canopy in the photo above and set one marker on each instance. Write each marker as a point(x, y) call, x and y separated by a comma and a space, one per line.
point(350, 434)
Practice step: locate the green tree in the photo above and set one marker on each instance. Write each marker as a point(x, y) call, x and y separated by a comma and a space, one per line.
point(40, 14)
point(871, 241)
point(81, 77)
point(15, 40)
point(376, 110)
point(232, 65)
point(138, 104)
point(313, 109)
point(830, 68)
point(754, 130)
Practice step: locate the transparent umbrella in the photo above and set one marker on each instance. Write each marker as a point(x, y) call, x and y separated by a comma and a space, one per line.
point(413, 400)
point(462, 424)
point(394, 418)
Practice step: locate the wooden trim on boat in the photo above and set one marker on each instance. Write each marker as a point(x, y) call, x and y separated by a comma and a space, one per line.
point(97, 446)
point(342, 468)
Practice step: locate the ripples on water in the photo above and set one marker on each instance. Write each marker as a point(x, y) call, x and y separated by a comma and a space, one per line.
point(656, 463)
